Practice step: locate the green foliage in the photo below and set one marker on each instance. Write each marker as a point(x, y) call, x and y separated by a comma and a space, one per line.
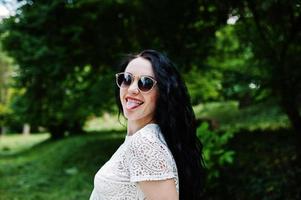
point(3, 115)
point(203, 85)
point(241, 78)
point(262, 171)
point(215, 154)
point(4, 112)
point(6, 70)
point(65, 80)
point(66, 49)
point(271, 29)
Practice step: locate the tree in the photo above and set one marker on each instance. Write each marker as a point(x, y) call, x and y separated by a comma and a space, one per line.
point(65, 50)
point(58, 68)
point(241, 78)
point(5, 93)
point(272, 30)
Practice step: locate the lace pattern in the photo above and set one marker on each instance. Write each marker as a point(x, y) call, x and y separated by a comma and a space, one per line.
point(143, 156)
point(115, 191)
point(149, 158)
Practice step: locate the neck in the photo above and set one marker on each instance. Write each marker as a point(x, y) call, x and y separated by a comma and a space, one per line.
point(134, 126)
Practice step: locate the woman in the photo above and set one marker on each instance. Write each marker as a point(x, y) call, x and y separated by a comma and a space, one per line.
point(161, 155)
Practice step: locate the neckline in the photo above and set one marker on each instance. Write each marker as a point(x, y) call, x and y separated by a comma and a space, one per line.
point(147, 125)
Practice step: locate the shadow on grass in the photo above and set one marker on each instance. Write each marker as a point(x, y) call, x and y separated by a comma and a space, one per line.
point(263, 167)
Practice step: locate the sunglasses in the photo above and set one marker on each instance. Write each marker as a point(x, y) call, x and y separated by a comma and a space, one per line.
point(145, 83)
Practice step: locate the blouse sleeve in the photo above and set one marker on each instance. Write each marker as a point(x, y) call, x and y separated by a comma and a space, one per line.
point(149, 158)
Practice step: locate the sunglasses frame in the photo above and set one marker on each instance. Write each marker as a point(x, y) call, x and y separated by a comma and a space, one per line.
point(133, 78)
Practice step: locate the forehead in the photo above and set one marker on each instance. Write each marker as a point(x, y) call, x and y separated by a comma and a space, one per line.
point(140, 66)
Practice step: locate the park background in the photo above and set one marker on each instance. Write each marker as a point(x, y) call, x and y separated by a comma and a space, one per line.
point(58, 118)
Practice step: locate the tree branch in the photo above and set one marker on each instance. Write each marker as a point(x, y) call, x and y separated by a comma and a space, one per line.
point(260, 28)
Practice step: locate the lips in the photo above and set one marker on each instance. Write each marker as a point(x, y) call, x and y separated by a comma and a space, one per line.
point(132, 103)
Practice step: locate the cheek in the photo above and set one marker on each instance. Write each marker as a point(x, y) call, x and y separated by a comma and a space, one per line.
point(121, 94)
point(153, 101)
point(122, 100)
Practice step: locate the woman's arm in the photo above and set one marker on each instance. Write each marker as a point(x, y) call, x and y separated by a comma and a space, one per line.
point(159, 190)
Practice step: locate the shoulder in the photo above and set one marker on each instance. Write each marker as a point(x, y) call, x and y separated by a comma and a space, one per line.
point(149, 146)
point(149, 135)
point(148, 155)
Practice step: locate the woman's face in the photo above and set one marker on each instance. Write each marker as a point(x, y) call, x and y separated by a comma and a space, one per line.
point(138, 106)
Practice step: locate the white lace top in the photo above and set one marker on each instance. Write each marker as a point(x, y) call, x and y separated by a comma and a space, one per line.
point(143, 156)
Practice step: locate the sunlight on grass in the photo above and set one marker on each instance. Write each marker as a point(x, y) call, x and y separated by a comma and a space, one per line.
point(263, 116)
point(61, 169)
point(40, 172)
point(11, 144)
point(105, 123)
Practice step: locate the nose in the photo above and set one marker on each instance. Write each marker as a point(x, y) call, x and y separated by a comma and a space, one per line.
point(133, 88)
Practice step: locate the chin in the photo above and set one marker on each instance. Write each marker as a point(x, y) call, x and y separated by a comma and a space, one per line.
point(136, 117)
point(132, 117)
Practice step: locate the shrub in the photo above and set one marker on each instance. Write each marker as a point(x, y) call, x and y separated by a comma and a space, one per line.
point(215, 153)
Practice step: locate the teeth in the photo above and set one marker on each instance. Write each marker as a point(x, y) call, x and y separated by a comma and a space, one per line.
point(134, 101)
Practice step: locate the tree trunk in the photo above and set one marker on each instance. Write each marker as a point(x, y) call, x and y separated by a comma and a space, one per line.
point(26, 129)
point(3, 130)
point(57, 131)
point(75, 128)
point(291, 108)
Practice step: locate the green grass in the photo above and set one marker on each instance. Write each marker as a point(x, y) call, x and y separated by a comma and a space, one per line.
point(11, 144)
point(33, 167)
point(65, 169)
point(263, 116)
point(105, 123)
point(55, 170)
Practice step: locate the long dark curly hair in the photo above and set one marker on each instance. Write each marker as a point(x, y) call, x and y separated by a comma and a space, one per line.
point(177, 122)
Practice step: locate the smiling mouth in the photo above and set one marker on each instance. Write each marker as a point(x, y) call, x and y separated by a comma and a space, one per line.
point(133, 103)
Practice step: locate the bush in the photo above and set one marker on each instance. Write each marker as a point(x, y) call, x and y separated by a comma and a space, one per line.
point(215, 153)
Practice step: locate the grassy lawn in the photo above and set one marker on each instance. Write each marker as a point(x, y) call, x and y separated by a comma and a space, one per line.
point(262, 116)
point(33, 167)
point(54, 170)
point(12, 144)
point(65, 169)
point(105, 123)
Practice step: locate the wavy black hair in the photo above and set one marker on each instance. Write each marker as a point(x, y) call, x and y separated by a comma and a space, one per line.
point(176, 119)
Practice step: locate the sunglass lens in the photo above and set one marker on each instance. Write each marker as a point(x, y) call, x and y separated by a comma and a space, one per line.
point(124, 80)
point(145, 84)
